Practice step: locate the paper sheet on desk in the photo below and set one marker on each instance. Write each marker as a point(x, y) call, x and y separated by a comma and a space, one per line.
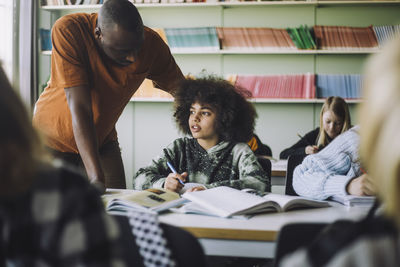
point(190, 185)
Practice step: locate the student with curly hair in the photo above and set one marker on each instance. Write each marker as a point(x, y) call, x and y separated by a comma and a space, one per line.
point(334, 119)
point(220, 121)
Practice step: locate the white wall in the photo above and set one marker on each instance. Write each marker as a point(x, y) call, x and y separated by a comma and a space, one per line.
point(6, 33)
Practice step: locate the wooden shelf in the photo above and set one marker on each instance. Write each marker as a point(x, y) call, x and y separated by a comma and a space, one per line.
point(297, 100)
point(196, 4)
point(253, 100)
point(267, 52)
point(230, 4)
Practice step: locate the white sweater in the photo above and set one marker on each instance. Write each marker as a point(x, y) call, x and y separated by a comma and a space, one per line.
point(327, 173)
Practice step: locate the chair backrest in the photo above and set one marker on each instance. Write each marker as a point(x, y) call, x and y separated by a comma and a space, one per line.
point(185, 248)
point(293, 161)
point(295, 235)
point(265, 164)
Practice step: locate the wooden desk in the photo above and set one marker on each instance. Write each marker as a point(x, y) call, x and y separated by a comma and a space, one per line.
point(278, 168)
point(254, 237)
point(278, 176)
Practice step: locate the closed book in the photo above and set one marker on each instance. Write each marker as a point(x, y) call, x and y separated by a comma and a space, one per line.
point(153, 200)
point(350, 200)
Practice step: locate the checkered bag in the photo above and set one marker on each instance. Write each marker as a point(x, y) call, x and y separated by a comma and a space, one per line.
point(150, 239)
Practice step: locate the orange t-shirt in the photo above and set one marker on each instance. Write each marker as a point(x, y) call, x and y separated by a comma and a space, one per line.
point(77, 60)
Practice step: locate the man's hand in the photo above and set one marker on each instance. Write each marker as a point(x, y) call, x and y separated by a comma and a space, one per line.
point(172, 183)
point(311, 149)
point(361, 186)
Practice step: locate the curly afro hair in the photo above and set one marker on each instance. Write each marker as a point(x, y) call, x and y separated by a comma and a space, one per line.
point(235, 116)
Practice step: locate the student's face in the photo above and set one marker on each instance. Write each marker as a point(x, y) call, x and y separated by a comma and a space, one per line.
point(118, 44)
point(202, 122)
point(332, 124)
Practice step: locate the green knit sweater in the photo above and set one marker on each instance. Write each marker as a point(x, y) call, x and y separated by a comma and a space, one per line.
point(229, 164)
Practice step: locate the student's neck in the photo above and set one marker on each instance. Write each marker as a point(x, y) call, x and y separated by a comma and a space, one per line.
point(207, 144)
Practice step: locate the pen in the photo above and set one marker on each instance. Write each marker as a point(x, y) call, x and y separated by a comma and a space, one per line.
point(174, 171)
point(301, 137)
point(308, 143)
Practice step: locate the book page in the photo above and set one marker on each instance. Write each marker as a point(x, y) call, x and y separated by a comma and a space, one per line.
point(225, 201)
point(294, 202)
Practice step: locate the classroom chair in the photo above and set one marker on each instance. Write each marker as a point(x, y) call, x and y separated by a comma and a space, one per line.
point(185, 248)
point(293, 161)
point(293, 236)
point(265, 164)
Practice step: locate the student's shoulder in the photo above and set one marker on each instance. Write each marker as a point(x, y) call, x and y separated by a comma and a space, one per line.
point(241, 148)
point(182, 142)
point(349, 137)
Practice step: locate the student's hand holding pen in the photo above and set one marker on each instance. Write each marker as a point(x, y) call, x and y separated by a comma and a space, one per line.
point(311, 149)
point(175, 181)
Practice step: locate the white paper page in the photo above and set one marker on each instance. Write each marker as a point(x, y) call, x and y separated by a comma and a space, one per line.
point(224, 200)
point(190, 185)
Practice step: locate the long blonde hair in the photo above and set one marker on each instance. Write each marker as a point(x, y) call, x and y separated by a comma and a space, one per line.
point(380, 126)
point(21, 149)
point(339, 107)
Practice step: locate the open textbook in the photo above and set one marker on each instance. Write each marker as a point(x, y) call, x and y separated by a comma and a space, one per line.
point(225, 201)
point(151, 200)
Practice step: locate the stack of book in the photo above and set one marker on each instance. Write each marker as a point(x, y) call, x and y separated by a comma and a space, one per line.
point(45, 39)
point(70, 2)
point(351, 200)
point(302, 37)
point(278, 86)
point(190, 39)
point(344, 85)
point(254, 38)
point(386, 32)
point(343, 37)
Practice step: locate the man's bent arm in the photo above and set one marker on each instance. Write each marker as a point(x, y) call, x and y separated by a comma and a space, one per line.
point(80, 106)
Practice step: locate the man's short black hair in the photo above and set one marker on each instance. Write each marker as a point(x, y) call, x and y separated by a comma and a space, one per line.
point(123, 13)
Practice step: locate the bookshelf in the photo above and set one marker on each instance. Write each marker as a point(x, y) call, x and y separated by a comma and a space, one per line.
point(278, 119)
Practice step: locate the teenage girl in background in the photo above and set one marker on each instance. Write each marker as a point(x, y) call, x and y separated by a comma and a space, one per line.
point(334, 119)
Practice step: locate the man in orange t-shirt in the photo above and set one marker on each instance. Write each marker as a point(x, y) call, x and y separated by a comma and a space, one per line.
point(98, 62)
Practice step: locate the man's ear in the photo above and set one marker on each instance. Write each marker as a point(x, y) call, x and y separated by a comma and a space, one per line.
point(97, 32)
